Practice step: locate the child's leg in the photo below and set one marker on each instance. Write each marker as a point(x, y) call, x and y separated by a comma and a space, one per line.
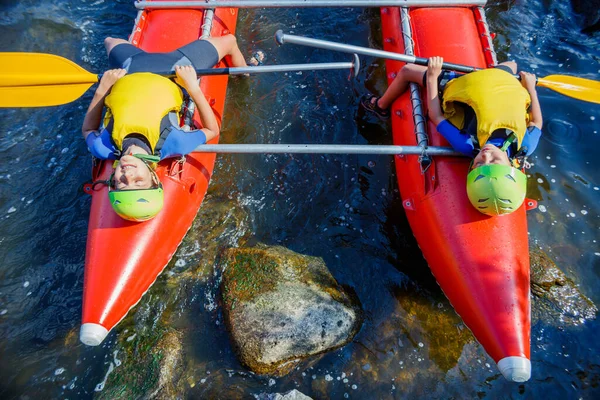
point(227, 46)
point(110, 42)
point(510, 64)
point(407, 74)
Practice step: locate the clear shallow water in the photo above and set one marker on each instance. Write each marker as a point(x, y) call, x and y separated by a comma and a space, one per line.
point(342, 208)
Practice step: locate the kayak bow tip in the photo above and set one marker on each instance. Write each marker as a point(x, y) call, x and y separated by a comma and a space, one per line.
point(515, 369)
point(92, 334)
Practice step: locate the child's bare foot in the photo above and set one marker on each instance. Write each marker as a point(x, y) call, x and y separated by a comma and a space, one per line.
point(257, 58)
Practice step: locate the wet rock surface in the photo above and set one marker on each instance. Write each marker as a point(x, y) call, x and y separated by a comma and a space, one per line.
point(291, 395)
point(435, 324)
point(282, 307)
point(150, 367)
point(556, 297)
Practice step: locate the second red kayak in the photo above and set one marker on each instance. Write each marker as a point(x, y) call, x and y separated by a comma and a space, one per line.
point(480, 262)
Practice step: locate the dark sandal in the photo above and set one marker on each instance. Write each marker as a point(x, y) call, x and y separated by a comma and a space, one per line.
point(368, 104)
point(257, 58)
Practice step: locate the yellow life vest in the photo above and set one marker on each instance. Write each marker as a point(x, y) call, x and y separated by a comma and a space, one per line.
point(137, 103)
point(497, 98)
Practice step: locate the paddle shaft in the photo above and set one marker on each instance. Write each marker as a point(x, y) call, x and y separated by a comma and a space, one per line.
point(270, 68)
point(324, 149)
point(282, 38)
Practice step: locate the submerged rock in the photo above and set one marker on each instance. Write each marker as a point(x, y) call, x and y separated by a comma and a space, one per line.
point(220, 223)
point(150, 368)
point(557, 298)
point(282, 307)
point(438, 325)
point(291, 395)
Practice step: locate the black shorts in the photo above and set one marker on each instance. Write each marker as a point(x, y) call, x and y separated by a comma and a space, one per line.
point(200, 53)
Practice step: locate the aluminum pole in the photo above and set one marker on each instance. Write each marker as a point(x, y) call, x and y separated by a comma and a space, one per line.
point(304, 3)
point(259, 69)
point(283, 38)
point(324, 149)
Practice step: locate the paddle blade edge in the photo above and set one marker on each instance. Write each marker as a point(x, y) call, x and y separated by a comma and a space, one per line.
point(41, 96)
point(572, 86)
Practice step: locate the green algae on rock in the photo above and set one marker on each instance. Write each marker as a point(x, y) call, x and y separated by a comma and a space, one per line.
point(438, 325)
point(149, 368)
point(282, 307)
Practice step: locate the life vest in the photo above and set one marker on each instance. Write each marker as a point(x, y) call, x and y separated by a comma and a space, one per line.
point(138, 103)
point(499, 101)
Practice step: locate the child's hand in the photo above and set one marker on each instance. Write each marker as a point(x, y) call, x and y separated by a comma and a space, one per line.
point(434, 67)
point(528, 81)
point(187, 77)
point(109, 78)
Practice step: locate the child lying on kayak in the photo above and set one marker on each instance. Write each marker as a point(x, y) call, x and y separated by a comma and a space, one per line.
point(142, 118)
point(485, 114)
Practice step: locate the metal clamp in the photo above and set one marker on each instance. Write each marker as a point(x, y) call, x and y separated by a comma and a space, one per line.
point(425, 160)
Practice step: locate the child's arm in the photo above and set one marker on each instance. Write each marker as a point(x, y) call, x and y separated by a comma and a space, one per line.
point(93, 116)
point(452, 134)
point(528, 81)
point(434, 69)
point(188, 78)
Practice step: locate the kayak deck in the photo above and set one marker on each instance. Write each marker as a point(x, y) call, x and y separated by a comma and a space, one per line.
point(123, 259)
point(480, 262)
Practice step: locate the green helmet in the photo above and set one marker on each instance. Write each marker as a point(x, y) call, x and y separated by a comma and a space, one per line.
point(137, 205)
point(496, 189)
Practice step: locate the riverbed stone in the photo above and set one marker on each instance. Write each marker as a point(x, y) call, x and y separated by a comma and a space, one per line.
point(282, 307)
point(148, 368)
point(557, 299)
point(291, 395)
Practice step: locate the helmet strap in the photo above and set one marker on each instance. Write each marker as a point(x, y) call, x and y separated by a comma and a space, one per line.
point(508, 142)
point(147, 157)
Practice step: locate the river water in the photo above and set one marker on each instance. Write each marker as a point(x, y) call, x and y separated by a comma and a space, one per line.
point(343, 208)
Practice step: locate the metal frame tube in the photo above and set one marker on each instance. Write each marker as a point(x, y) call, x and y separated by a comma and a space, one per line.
point(305, 3)
point(190, 106)
point(259, 69)
point(415, 97)
point(283, 38)
point(323, 149)
point(207, 24)
point(280, 68)
point(487, 33)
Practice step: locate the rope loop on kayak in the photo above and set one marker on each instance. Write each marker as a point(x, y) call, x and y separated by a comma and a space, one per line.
point(92, 186)
point(177, 168)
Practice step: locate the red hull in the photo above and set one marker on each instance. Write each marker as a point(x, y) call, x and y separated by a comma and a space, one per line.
point(481, 263)
point(123, 259)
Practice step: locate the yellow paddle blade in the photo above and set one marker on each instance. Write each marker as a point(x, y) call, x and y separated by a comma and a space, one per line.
point(39, 80)
point(578, 88)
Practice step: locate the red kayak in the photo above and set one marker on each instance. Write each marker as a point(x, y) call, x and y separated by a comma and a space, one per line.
point(480, 262)
point(123, 259)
